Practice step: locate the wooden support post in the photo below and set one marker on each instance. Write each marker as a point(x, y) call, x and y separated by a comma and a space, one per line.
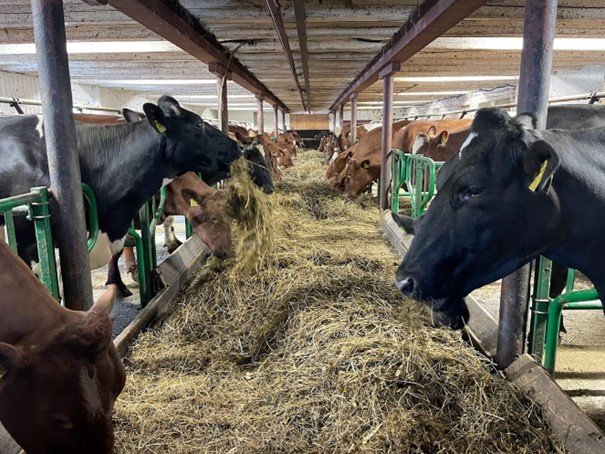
point(283, 120)
point(261, 114)
point(341, 120)
point(353, 118)
point(276, 117)
point(61, 150)
point(222, 76)
point(536, 64)
point(387, 132)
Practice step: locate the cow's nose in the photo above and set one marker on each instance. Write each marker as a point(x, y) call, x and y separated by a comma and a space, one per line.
point(221, 255)
point(407, 286)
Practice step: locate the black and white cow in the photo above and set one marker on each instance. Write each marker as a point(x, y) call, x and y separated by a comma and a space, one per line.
point(515, 194)
point(125, 165)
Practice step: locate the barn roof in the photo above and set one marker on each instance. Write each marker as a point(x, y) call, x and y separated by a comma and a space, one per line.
point(108, 48)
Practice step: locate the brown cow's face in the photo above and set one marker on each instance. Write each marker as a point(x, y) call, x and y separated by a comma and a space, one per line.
point(58, 396)
point(211, 223)
point(284, 158)
point(357, 177)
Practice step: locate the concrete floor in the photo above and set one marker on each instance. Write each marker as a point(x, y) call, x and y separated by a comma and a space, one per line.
point(580, 368)
point(126, 309)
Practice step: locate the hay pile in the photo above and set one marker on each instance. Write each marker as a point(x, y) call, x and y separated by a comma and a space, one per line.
point(250, 208)
point(317, 352)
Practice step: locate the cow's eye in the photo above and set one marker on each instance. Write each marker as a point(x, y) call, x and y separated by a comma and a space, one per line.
point(199, 125)
point(466, 194)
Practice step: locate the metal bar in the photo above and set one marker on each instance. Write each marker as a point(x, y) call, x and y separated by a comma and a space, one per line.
point(9, 224)
point(276, 122)
point(280, 29)
point(176, 24)
point(301, 29)
point(539, 309)
point(261, 115)
point(534, 81)
point(145, 292)
point(93, 216)
point(353, 118)
point(61, 150)
point(584, 299)
point(387, 134)
point(223, 106)
point(40, 215)
point(144, 284)
point(35, 102)
point(15, 201)
point(428, 21)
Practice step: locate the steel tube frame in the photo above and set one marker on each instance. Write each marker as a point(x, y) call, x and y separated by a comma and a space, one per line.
point(223, 106)
point(61, 149)
point(534, 82)
point(261, 115)
point(353, 118)
point(387, 134)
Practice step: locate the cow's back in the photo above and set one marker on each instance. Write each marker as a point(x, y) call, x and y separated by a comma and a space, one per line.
point(576, 116)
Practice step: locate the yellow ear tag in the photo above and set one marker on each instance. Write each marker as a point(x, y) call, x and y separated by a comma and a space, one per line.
point(160, 127)
point(193, 203)
point(444, 136)
point(534, 184)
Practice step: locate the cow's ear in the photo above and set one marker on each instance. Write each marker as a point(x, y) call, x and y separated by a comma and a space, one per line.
point(540, 162)
point(10, 358)
point(239, 136)
point(191, 197)
point(365, 164)
point(170, 106)
point(156, 117)
point(526, 120)
point(431, 132)
point(443, 138)
point(407, 223)
point(105, 303)
point(131, 116)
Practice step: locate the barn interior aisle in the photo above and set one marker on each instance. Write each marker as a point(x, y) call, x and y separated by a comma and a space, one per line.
point(316, 352)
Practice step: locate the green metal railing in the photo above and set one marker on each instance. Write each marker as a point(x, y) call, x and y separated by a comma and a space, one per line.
point(545, 320)
point(35, 205)
point(418, 173)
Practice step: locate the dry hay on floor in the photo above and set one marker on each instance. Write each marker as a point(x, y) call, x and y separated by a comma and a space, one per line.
point(317, 352)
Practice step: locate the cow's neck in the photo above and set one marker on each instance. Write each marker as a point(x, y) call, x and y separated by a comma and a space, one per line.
point(125, 166)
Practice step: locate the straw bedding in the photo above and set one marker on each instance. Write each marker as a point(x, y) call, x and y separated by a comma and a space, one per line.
point(315, 351)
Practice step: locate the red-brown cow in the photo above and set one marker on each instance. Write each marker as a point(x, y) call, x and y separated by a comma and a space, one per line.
point(420, 136)
point(61, 373)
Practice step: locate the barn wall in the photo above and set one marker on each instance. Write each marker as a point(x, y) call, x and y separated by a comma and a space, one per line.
point(304, 122)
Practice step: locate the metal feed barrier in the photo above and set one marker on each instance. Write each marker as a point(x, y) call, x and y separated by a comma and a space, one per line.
point(35, 205)
point(546, 312)
point(418, 173)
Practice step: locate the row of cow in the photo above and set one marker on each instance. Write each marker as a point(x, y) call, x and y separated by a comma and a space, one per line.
point(125, 162)
point(353, 168)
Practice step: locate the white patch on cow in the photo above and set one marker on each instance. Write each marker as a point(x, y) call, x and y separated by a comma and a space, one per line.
point(167, 181)
point(418, 143)
point(39, 125)
point(103, 250)
point(90, 393)
point(466, 143)
point(334, 156)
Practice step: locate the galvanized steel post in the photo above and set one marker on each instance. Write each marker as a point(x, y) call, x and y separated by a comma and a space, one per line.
point(276, 117)
point(387, 132)
point(534, 82)
point(353, 118)
point(61, 149)
point(261, 114)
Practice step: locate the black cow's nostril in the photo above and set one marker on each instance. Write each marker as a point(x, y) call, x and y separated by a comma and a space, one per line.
point(406, 286)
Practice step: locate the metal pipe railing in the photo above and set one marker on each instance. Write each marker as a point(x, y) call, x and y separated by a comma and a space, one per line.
point(591, 97)
point(35, 102)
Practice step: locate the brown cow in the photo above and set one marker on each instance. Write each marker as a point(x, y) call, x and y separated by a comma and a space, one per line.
point(279, 152)
point(61, 373)
point(364, 149)
point(206, 209)
point(364, 168)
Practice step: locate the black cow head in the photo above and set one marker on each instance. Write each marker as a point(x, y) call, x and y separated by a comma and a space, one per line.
point(493, 212)
point(191, 143)
point(258, 169)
